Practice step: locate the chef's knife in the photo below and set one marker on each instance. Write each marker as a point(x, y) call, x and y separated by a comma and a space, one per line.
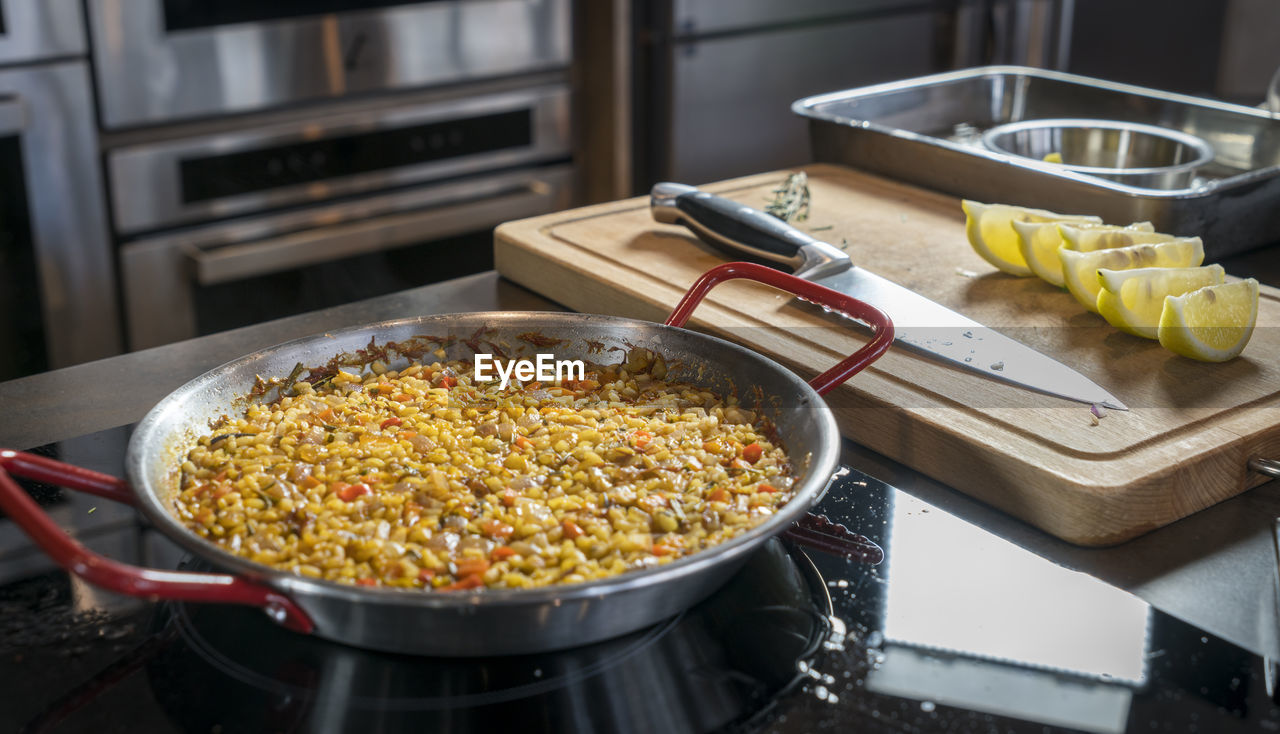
point(918, 322)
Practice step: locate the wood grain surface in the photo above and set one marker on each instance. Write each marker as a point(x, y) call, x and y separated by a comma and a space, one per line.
point(1183, 446)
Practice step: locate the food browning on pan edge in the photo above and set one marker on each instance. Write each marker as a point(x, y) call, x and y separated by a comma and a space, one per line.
point(420, 478)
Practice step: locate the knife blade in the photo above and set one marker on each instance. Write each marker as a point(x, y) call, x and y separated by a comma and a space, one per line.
point(919, 323)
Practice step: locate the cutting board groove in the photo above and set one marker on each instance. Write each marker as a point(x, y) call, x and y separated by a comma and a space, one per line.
point(1182, 447)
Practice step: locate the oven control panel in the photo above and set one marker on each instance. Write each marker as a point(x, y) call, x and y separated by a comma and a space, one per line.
point(224, 175)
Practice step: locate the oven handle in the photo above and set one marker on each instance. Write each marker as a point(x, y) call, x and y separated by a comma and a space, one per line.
point(324, 244)
point(13, 116)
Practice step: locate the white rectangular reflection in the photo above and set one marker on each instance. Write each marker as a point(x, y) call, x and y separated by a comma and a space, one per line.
point(997, 688)
point(955, 587)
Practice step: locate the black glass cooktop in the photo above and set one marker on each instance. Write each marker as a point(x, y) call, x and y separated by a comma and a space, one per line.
point(952, 629)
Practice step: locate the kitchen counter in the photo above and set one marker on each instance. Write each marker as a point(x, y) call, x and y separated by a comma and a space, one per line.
point(1213, 571)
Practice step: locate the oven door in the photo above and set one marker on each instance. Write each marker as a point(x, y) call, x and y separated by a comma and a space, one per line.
point(244, 271)
point(57, 276)
point(161, 60)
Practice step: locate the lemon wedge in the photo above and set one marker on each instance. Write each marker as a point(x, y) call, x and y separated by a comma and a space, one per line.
point(1038, 243)
point(1212, 324)
point(987, 226)
point(1079, 269)
point(1090, 238)
point(1132, 300)
point(1054, 157)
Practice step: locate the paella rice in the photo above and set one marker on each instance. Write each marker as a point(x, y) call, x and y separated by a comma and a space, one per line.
point(421, 478)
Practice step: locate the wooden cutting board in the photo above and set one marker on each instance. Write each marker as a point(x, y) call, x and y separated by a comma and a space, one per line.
point(1183, 446)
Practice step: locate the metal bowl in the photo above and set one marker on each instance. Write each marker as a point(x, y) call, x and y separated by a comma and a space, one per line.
point(1128, 152)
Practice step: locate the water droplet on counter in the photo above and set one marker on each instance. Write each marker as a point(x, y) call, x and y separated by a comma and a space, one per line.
point(824, 694)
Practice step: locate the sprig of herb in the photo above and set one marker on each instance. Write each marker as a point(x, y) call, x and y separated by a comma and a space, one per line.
point(791, 199)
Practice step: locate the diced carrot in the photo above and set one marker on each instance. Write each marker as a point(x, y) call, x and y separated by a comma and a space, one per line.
point(425, 575)
point(661, 550)
point(508, 497)
point(501, 552)
point(367, 582)
point(571, 529)
point(769, 488)
point(497, 529)
point(310, 482)
point(720, 495)
point(640, 439)
point(403, 397)
point(384, 388)
point(652, 503)
point(752, 452)
point(448, 381)
point(470, 566)
point(392, 421)
point(523, 442)
point(326, 415)
point(406, 434)
point(533, 386)
point(349, 492)
point(467, 582)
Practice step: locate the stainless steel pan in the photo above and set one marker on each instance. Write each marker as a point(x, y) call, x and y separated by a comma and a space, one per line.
point(484, 621)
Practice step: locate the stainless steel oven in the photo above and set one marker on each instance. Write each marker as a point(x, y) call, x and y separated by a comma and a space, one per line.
point(165, 60)
point(57, 272)
point(262, 218)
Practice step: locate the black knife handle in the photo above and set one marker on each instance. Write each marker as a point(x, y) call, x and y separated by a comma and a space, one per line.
point(741, 230)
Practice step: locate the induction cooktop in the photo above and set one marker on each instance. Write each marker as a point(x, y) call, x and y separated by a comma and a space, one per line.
point(944, 628)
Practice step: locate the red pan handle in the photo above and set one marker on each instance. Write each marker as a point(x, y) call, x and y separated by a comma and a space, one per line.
point(809, 291)
point(114, 575)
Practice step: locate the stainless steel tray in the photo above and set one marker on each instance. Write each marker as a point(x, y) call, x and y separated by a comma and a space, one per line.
point(927, 131)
